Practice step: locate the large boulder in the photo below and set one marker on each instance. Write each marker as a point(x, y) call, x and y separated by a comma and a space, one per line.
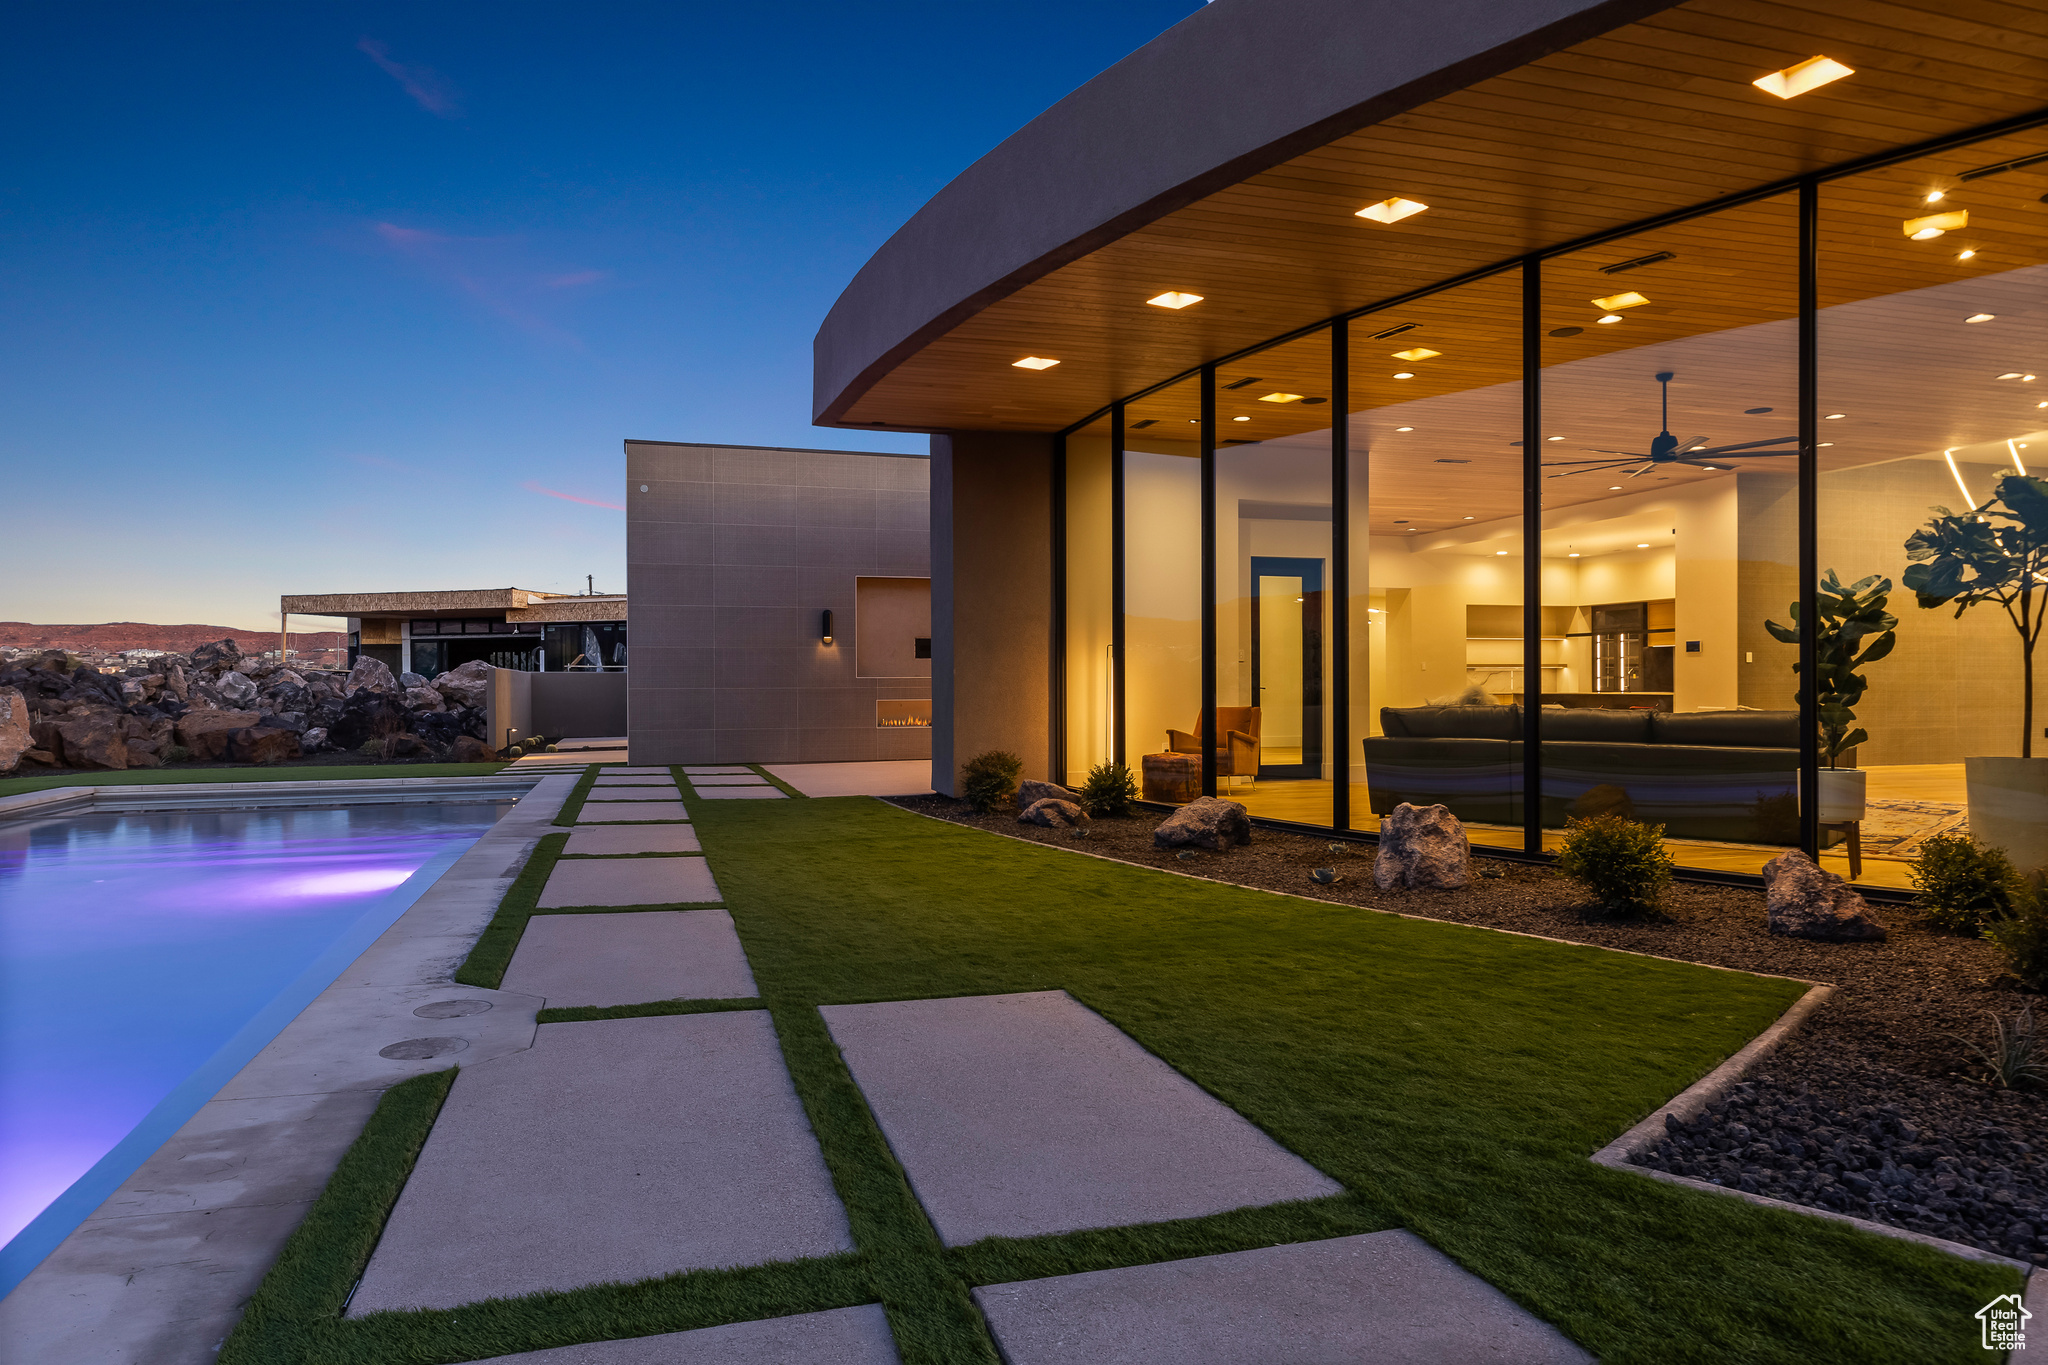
point(174, 681)
point(15, 739)
point(223, 656)
point(1030, 793)
point(1205, 822)
point(466, 685)
point(262, 744)
point(423, 698)
point(365, 716)
point(238, 688)
point(91, 740)
point(1422, 847)
point(436, 727)
point(370, 675)
point(409, 680)
point(470, 749)
point(1052, 813)
point(313, 741)
point(205, 733)
point(399, 744)
point(1805, 900)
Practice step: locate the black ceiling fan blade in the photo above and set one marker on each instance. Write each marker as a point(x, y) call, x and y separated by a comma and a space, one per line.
point(1558, 464)
point(1745, 445)
point(1701, 463)
point(1625, 454)
point(1645, 469)
point(1597, 469)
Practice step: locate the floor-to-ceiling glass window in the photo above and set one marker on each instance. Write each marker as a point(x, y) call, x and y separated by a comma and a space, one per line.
point(1933, 437)
point(1435, 484)
point(1670, 540)
point(1274, 590)
point(1090, 712)
point(1163, 591)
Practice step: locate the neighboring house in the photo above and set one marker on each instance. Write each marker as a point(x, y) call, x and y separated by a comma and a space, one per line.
point(782, 604)
point(515, 628)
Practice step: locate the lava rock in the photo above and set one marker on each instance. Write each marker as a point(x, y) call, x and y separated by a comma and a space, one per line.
point(399, 744)
point(365, 716)
point(410, 680)
point(466, 684)
point(262, 744)
point(1206, 822)
point(1808, 901)
point(15, 739)
point(223, 656)
point(470, 749)
point(370, 674)
point(1052, 813)
point(424, 699)
point(1030, 793)
point(204, 733)
point(93, 740)
point(313, 741)
point(1422, 846)
point(236, 687)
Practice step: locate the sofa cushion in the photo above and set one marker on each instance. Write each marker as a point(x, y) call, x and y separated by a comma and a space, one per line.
point(1451, 722)
point(1596, 726)
point(1734, 729)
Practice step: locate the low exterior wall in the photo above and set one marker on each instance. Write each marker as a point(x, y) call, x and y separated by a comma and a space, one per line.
point(579, 705)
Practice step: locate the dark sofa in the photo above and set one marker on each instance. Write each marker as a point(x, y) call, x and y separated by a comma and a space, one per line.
point(1722, 775)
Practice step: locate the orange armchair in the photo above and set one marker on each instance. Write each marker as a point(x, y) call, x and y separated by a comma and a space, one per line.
point(1237, 741)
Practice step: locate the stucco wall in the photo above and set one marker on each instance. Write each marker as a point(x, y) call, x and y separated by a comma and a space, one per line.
point(733, 554)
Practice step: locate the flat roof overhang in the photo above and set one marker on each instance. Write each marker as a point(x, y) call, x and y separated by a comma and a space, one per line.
point(515, 604)
point(1228, 158)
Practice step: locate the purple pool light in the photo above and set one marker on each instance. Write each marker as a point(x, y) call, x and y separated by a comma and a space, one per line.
point(134, 947)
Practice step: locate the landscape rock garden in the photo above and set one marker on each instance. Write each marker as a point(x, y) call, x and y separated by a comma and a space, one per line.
point(1883, 1105)
point(216, 705)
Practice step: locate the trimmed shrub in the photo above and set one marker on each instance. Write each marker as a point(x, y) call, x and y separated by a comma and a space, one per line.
point(176, 753)
point(372, 748)
point(1621, 863)
point(2023, 935)
point(1109, 790)
point(987, 780)
point(1962, 886)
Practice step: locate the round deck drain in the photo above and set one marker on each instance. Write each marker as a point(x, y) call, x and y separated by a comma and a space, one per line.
point(420, 1049)
point(452, 1009)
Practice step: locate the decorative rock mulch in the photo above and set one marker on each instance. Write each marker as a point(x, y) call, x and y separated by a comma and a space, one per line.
point(1903, 1130)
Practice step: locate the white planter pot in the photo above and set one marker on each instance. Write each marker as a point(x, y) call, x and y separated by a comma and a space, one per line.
point(2009, 807)
point(1841, 794)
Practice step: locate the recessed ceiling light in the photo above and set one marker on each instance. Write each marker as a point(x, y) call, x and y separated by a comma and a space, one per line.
point(2010, 374)
point(1412, 428)
point(2041, 405)
point(1471, 518)
point(1835, 416)
point(1553, 438)
point(1934, 224)
point(1966, 254)
point(1615, 302)
point(1980, 317)
point(1391, 210)
point(1614, 488)
point(1404, 375)
point(1573, 555)
point(1174, 298)
point(1500, 552)
point(1033, 362)
point(1281, 398)
point(1755, 411)
point(1240, 419)
point(1611, 317)
point(1801, 77)
point(2026, 379)
point(1934, 197)
point(1825, 444)
point(1642, 545)
point(1417, 353)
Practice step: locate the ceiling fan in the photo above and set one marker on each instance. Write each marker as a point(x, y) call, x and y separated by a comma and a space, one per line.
point(1667, 449)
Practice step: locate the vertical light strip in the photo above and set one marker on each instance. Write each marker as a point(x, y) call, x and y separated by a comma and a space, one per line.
point(1969, 502)
point(1808, 512)
point(1340, 574)
point(1209, 735)
point(1532, 555)
point(2017, 464)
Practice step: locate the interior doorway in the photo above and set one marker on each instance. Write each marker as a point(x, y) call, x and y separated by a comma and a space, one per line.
point(1287, 664)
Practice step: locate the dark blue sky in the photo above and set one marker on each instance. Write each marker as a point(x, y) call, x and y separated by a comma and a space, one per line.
point(309, 298)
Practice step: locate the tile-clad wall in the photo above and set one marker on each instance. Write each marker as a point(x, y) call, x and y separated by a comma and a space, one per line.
point(733, 553)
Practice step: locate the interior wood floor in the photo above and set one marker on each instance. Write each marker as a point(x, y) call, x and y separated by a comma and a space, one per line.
point(1308, 802)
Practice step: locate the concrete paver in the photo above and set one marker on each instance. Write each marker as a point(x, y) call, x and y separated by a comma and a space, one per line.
point(650, 780)
point(628, 881)
point(904, 777)
point(763, 793)
point(666, 791)
point(612, 812)
point(629, 839)
point(694, 769)
point(613, 1150)
point(1386, 1297)
point(842, 1336)
point(1020, 1115)
point(727, 779)
point(631, 958)
point(610, 771)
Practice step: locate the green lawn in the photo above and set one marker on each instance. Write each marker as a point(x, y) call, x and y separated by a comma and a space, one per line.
point(14, 786)
point(1453, 1079)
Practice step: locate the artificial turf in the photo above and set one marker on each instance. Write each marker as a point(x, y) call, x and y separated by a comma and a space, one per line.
point(1455, 1080)
point(492, 952)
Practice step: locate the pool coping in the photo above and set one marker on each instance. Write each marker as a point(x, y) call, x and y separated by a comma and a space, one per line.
point(260, 795)
point(161, 1271)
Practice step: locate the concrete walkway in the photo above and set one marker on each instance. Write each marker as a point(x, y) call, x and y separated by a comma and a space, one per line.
point(1386, 1297)
point(1022, 1115)
point(842, 1336)
point(631, 959)
point(615, 812)
point(615, 1150)
point(909, 777)
point(631, 839)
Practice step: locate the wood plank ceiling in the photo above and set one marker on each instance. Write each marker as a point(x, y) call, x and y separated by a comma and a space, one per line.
point(1651, 118)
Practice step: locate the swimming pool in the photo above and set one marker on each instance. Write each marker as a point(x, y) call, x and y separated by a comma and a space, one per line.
point(145, 957)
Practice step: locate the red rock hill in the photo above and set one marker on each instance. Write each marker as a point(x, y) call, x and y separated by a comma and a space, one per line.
point(112, 636)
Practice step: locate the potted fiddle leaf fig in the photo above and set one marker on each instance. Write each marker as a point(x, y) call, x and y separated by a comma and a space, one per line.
point(1854, 630)
point(1997, 554)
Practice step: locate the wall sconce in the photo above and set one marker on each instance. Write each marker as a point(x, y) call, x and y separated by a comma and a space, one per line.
point(825, 630)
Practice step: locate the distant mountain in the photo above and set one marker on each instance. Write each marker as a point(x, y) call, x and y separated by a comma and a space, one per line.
point(113, 636)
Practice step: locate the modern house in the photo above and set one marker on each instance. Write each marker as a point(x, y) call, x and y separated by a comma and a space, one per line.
point(1338, 404)
point(783, 604)
point(513, 628)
